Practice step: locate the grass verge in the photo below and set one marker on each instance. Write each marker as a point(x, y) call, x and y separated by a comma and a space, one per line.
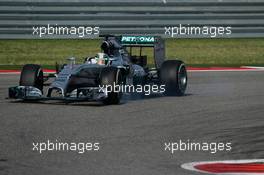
point(195, 52)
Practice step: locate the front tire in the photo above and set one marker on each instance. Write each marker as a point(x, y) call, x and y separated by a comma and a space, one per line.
point(173, 75)
point(31, 75)
point(111, 76)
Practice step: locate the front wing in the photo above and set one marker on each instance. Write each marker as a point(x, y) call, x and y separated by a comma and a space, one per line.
point(32, 93)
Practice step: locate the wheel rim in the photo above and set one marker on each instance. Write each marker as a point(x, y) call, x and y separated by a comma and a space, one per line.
point(182, 78)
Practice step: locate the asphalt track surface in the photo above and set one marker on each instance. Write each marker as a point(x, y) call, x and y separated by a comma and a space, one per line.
point(218, 107)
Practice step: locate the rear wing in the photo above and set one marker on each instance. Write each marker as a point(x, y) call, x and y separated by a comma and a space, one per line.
point(147, 41)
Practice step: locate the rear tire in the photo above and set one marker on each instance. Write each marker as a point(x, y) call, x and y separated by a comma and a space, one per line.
point(173, 75)
point(111, 76)
point(31, 75)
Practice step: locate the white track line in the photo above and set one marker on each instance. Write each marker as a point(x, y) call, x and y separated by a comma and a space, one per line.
point(253, 67)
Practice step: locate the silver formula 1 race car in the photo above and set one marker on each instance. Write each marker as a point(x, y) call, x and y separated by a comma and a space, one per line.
point(116, 65)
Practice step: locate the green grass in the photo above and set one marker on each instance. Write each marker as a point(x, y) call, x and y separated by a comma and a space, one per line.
point(218, 51)
point(19, 52)
point(196, 52)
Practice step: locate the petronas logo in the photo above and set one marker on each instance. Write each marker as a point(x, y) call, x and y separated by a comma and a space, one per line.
point(138, 39)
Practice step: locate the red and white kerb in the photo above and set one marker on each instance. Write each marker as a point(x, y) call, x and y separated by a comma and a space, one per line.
point(228, 167)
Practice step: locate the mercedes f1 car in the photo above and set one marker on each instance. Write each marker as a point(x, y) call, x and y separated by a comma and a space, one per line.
point(117, 64)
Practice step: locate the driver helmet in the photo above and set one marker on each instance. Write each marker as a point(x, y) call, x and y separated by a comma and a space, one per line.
point(101, 58)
